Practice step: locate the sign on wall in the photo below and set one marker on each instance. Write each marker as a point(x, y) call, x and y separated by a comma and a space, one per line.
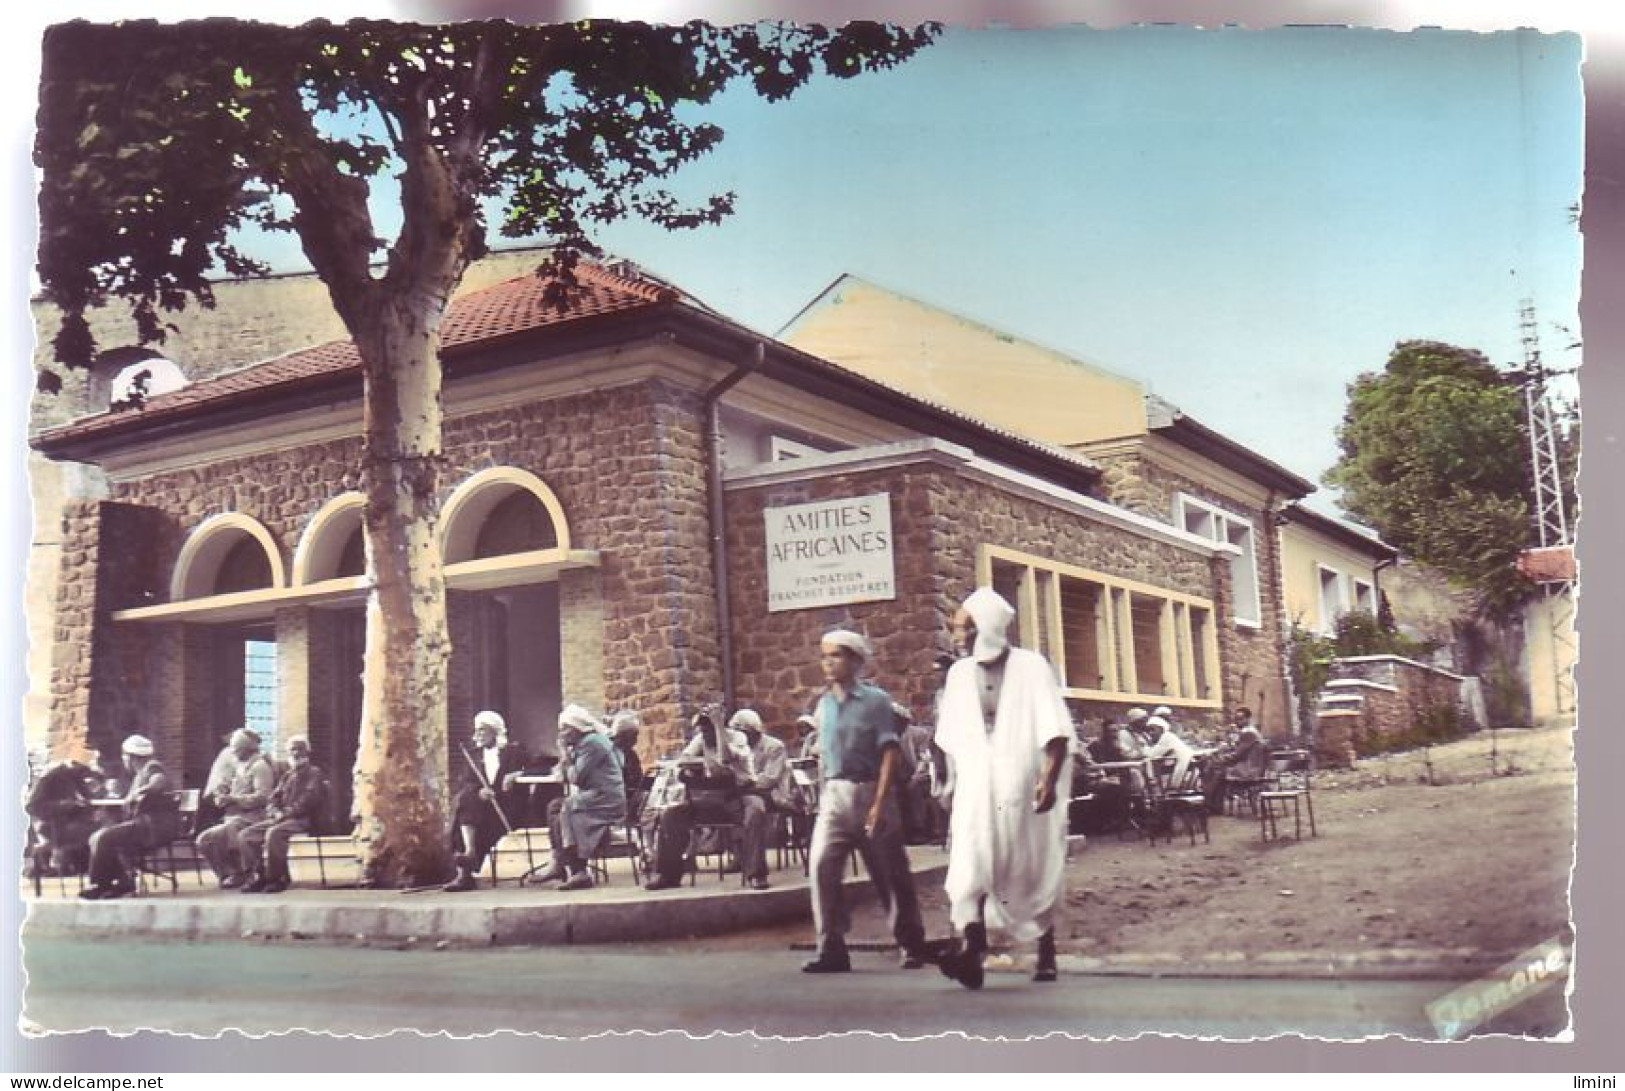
point(830, 552)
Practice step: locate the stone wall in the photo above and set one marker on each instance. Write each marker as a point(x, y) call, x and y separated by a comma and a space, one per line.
point(1393, 694)
point(939, 522)
point(627, 465)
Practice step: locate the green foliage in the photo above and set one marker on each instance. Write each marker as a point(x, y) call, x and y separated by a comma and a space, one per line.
point(1358, 632)
point(1434, 456)
point(1506, 697)
point(1309, 658)
point(157, 142)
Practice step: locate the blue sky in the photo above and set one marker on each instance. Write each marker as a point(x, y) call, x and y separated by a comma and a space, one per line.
point(1244, 220)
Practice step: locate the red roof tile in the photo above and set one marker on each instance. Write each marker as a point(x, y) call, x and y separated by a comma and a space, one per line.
point(1548, 564)
point(511, 307)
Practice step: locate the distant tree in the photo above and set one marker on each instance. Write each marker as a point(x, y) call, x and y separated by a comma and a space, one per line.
point(157, 143)
point(1435, 457)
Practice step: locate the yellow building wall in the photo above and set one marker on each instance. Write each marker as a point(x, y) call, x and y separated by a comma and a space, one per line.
point(1552, 653)
point(966, 366)
point(1303, 553)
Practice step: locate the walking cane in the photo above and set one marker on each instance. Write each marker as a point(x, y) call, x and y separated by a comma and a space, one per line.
point(479, 772)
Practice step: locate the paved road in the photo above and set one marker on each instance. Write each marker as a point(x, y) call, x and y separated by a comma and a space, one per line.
point(201, 988)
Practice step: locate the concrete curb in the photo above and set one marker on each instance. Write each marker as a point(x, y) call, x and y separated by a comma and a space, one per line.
point(608, 915)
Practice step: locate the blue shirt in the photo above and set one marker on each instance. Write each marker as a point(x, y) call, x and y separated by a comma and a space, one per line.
point(853, 732)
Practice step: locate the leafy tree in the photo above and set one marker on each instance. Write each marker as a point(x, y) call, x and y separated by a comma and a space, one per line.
point(1435, 457)
point(158, 143)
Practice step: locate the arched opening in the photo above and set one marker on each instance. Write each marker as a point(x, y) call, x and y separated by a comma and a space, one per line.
point(501, 511)
point(227, 554)
point(126, 377)
point(333, 545)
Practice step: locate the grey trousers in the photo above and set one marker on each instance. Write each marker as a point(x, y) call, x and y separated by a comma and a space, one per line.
point(843, 805)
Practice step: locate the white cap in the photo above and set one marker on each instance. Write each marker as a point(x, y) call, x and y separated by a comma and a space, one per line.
point(574, 716)
point(852, 642)
point(138, 746)
point(1162, 710)
point(490, 719)
point(745, 719)
point(624, 723)
point(1157, 722)
point(1135, 715)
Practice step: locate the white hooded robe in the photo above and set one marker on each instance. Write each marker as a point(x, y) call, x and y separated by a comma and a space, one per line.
point(999, 847)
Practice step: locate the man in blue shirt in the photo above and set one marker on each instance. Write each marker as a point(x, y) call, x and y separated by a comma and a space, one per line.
point(857, 809)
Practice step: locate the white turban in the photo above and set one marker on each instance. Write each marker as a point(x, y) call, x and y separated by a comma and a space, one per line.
point(993, 617)
point(579, 719)
point(625, 723)
point(138, 746)
point(1136, 715)
point(490, 719)
point(1162, 710)
point(746, 719)
point(852, 642)
point(1157, 722)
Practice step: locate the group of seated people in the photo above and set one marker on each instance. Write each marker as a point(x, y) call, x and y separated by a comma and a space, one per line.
point(1236, 766)
point(259, 809)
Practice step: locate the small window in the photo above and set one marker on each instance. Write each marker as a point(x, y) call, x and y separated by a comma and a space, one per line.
point(780, 449)
point(1217, 525)
point(1365, 597)
point(1332, 600)
point(520, 523)
point(259, 691)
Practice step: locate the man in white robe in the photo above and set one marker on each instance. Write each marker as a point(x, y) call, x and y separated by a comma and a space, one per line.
point(1005, 728)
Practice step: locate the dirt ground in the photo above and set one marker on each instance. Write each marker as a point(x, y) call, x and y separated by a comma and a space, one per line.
point(1408, 857)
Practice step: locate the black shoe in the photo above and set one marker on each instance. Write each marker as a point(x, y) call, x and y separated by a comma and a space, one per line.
point(758, 882)
point(117, 890)
point(827, 964)
point(276, 886)
point(232, 882)
point(1045, 970)
point(93, 893)
point(463, 882)
point(912, 960)
point(256, 885)
point(554, 874)
point(660, 882)
point(581, 880)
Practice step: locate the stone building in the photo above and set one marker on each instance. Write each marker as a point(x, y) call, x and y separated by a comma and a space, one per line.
point(1156, 460)
point(645, 506)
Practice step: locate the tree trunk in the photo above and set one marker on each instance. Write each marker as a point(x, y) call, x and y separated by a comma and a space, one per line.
point(400, 774)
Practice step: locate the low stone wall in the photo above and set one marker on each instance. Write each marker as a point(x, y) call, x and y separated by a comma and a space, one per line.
point(1371, 698)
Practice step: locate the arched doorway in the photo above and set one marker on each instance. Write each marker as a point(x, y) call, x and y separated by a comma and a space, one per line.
point(505, 616)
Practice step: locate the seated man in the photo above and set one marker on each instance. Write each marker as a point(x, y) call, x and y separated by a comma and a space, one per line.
point(719, 765)
point(579, 822)
point(298, 806)
point(484, 775)
point(151, 818)
point(768, 791)
point(623, 732)
point(1166, 744)
point(63, 819)
point(241, 804)
point(921, 812)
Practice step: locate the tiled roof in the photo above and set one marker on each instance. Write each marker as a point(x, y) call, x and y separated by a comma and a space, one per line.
point(1549, 564)
point(511, 307)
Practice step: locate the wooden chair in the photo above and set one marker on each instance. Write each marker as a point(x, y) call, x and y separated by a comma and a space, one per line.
point(623, 841)
point(1290, 777)
point(719, 839)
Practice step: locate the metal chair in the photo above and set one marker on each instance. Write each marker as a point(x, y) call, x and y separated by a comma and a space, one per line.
point(1292, 774)
point(162, 861)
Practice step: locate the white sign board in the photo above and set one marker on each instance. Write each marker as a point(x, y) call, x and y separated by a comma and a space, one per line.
point(830, 552)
